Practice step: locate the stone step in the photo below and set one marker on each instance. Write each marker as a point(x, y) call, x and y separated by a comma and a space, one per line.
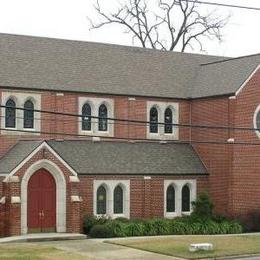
point(43, 237)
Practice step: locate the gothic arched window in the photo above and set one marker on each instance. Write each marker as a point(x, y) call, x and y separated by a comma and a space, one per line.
point(168, 121)
point(118, 200)
point(170, 199)
point(185, 203)
point(101, 200)
point(10, 114)
point(102, 115)
point(28, 114)
point(86, 117)
point(153, 120)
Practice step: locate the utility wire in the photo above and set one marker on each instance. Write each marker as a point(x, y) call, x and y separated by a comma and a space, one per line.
point(223, 5)
point(141, 122)
point(130, 139)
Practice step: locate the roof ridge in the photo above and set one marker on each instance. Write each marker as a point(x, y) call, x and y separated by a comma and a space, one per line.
point(114, 45)
point(230, 59)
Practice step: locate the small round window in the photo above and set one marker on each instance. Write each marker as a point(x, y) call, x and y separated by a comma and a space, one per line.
point(257, 121)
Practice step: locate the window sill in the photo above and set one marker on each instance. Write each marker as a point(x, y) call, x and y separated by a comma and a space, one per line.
point(15, 131)
point(29, 129)
point(119, 216)
point(173, 136)
point(170, 215)
point(185, 213)
point(86, 132)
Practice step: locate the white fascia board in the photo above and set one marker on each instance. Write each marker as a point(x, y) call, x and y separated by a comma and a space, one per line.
point(247, 80)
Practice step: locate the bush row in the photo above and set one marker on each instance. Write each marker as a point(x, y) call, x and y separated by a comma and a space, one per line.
point(105, 228)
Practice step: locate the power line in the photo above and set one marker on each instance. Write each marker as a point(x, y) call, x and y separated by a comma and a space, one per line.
point(131, 139)
point(223, 5)
point(139, 122)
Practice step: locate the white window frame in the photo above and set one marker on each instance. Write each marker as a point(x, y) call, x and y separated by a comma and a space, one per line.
point(161, 107)
point(178, 185)
point(95, 103)
point(110, 185)
point(254, 120)
point(20, 98)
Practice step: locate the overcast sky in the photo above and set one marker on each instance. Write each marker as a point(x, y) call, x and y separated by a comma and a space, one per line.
point(67, 19)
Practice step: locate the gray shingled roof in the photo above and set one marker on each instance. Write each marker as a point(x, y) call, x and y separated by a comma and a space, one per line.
point(224, 77)
point(87, 157)
point(43, 63)
point(16, 155)
point(64, 65)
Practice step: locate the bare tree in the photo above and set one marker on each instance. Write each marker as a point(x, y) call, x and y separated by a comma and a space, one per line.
point(174, 24)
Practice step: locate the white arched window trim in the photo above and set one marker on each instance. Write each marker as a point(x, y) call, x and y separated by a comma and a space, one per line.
point(110, 185)
point(20, 98)
point(179, 184)
point(95, 103)
point(161, 107)
point(254, 120)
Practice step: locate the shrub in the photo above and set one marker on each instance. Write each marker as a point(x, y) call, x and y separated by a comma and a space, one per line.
point(203, 206)
point(161, 226)
point(251, 222)
point(149, 229)
point(235, 227)
point(134, 229)
point(122, 219)
point(178, 227)
point(101, 231)
point(90, 221)
point(118, 228)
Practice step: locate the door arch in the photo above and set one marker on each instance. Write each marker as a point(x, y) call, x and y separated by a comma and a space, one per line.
point(41, 206)
point(60, 181)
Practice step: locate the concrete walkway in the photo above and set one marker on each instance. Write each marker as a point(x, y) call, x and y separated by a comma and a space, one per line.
point(42, 237)
point(98, 250)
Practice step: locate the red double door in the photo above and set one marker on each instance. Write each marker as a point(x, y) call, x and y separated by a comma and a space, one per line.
point(41, 206)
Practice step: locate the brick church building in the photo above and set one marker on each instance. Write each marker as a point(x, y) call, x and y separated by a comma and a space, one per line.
point(99, 129)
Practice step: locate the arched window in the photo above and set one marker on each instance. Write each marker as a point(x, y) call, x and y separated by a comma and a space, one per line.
point(170, 199)
point(102, 114)
point(185, 204)
point(168, 121)
point(86, 117)
point(118, 200)
point(101, 200)
point(153, 120)
point(10, 114)
point(28, 115)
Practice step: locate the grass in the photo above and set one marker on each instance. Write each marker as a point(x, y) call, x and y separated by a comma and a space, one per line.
point(35, 252)
point(179, 245)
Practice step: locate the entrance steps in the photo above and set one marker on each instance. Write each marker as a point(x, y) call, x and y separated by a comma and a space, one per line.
point(39, 237)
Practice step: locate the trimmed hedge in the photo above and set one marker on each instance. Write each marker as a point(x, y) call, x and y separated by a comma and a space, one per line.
point(179, 226)
point(201, 222)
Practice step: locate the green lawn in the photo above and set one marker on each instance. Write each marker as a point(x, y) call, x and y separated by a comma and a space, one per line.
point(179, 245)
point(28, 251)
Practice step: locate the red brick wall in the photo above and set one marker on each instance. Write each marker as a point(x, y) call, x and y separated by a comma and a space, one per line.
point(68, 103)
point(246, 162)
point(217, 157)
point(146, 196)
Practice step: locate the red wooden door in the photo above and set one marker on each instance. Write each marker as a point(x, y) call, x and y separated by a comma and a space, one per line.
point(41, 205)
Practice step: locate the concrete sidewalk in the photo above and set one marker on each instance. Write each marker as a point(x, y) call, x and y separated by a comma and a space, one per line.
point(42, 237)
point(97, 249)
